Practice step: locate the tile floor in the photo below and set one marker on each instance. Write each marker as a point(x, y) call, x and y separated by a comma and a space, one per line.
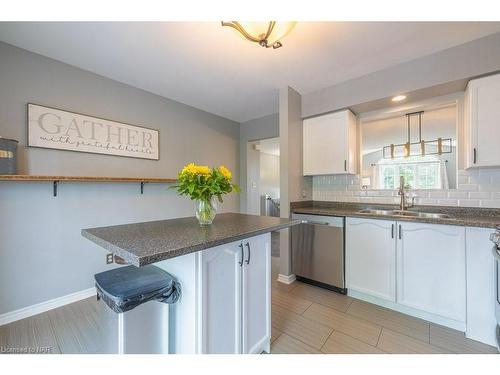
point(305, 319)
point(308, 319)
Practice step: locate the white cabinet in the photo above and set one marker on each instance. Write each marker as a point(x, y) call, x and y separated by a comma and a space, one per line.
point(371, 257)
point(481, 119)
point(431, 268)
point(256, 302)
point(221, 298)
point(415, 268)
point(329, 144)
point(481, 286)
point(235, 297)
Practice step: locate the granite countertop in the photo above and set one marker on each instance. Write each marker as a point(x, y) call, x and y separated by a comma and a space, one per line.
point(463, 216)
point(145, 243)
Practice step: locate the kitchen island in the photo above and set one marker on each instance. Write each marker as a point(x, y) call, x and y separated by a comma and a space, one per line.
point(225, 275)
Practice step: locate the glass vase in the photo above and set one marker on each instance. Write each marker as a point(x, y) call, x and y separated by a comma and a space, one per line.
point(205, 211)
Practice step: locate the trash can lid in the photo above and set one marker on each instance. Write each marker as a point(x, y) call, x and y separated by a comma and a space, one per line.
point(127, 287)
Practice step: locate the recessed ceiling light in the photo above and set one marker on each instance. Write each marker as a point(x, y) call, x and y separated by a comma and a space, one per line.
point(398, 98)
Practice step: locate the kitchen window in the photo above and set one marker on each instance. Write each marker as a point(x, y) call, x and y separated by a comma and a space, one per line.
point(419, 173)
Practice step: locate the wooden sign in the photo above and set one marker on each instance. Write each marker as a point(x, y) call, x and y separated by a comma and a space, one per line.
point(62, 130)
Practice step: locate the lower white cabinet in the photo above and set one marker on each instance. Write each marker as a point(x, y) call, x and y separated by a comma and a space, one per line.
point(431, 268)
point(416, 267)
point(256, 297)
point(221, 298)
point(235, 297)
point(371, 257)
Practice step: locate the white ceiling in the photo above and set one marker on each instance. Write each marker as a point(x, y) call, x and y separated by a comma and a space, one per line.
point(209, 67)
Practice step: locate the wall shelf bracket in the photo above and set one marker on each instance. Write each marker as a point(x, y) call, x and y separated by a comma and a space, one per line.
point(142, 186)
point(55, 183)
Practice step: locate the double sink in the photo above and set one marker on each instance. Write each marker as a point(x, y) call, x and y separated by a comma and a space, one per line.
point(404, 213)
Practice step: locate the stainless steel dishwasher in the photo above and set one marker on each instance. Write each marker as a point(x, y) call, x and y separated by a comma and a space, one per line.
point(318, 251)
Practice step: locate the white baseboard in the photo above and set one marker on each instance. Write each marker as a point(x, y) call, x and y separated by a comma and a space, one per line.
point(41, 307)
point(286, 279)
point(447, 322)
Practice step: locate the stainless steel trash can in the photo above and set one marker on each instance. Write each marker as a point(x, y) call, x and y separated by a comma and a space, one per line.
point(8, 156)
point(141, 297)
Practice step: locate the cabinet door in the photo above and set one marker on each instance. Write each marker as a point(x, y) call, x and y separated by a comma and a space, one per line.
point(256, 317)
point(329, 144)
point(483, 114)
point(221, 299)
point(431, 268)
point(371, 257)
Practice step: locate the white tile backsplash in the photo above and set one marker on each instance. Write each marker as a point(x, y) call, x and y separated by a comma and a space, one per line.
point(476, 188)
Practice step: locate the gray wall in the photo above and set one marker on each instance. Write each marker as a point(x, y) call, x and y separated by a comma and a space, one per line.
point(293, 185)
point(468, 60)
point(42, 255)
point(260, 128)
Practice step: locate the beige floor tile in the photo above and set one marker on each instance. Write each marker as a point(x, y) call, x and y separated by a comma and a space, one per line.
point(288, 345)
point(322, 296)
point(456, 341)
point(282, 287)
point(44, 335)
point(357, 328)
point(397, 343)
point(393, 320)
point(339, 343)
point(275, 333)
point(289, 301)
point(299, 327)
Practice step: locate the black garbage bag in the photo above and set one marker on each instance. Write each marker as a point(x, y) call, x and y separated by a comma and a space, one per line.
point(127, 287)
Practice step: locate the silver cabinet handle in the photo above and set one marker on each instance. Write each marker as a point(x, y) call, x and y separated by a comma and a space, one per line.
point(400, 232)
point(241, 259)
point(249, 252)
point(314, 222)
point(392, 231)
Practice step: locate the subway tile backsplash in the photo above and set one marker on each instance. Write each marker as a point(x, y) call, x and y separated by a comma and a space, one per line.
point(476, 188)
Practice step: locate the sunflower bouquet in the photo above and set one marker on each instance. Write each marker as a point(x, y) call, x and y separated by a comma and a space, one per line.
point(203, 184)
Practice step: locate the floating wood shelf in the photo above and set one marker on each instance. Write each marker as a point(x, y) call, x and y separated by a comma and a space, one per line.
point(56, 179)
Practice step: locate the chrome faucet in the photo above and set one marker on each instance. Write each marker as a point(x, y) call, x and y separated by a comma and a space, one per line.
point(403, 205)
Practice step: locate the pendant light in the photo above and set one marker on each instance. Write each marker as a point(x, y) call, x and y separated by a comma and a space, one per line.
point(442, 145)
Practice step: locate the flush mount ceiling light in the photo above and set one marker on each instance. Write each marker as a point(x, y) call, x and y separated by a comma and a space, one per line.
point(266, 34)
point(398, 98)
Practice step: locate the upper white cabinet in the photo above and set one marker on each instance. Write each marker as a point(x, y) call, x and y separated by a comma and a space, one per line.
point(431, 268)
point(482, 124)
point(329, 144)
point(371, 257)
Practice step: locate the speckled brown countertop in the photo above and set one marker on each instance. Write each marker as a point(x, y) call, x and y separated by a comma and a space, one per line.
point(463, 216)
point(145, 243)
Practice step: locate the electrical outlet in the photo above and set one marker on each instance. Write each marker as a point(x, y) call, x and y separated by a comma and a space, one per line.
point(109, 258)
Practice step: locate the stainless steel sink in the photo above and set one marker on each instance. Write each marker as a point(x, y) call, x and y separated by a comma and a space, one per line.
point(377, 212)
point(425, 215)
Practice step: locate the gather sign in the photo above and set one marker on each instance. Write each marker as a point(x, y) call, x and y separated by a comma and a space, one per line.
point(57, 129)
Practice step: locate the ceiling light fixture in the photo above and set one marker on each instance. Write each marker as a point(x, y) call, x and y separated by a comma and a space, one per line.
point(398, 98)
point(266, 34)
point(422, 147)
